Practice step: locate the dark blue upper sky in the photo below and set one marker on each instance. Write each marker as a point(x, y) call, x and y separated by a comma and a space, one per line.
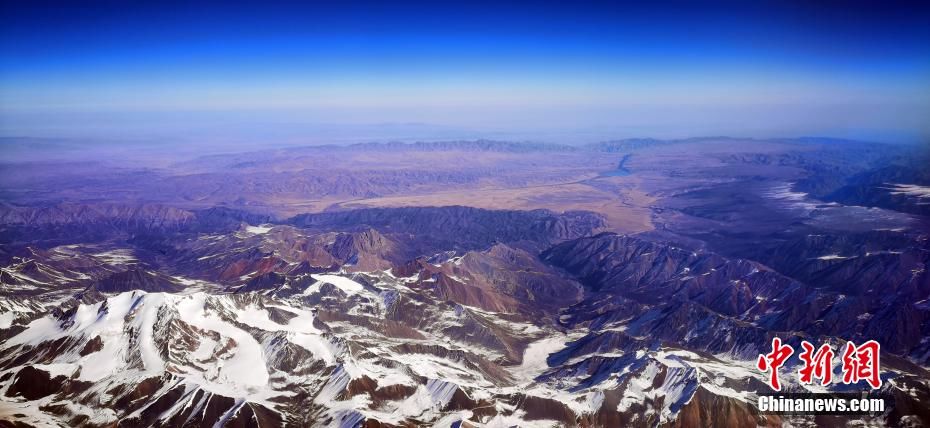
point(649, 68)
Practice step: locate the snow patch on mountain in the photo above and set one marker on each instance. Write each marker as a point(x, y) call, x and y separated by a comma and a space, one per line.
point(347, 285)
point(258, 230)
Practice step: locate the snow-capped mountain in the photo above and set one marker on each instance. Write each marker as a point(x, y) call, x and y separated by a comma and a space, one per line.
point(336, 321)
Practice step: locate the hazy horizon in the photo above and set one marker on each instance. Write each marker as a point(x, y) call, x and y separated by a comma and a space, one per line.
point(309, 74)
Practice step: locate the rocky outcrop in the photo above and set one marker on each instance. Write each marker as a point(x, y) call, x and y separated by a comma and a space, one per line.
point(135, 279)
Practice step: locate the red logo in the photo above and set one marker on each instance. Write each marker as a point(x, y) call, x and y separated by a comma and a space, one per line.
point(859, 363)
point(774, 360)
point(816, 365)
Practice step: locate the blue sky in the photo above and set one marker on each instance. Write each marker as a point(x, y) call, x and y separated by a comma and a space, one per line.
point(555, 70)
